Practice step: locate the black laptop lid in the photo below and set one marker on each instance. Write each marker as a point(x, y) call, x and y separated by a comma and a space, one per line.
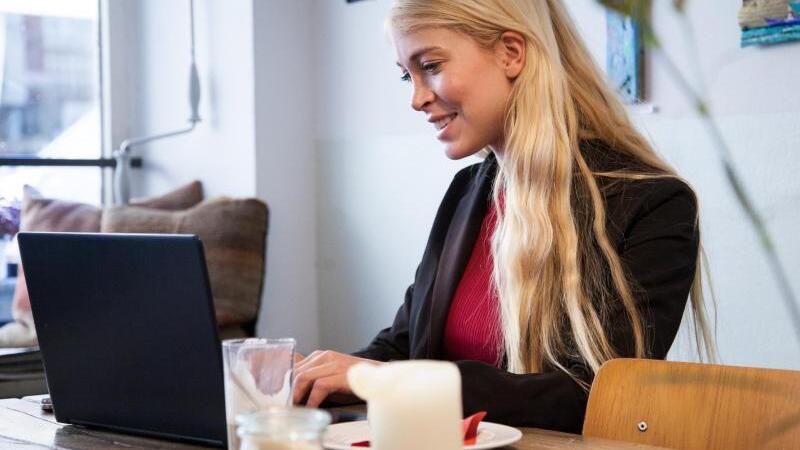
point(127, 332)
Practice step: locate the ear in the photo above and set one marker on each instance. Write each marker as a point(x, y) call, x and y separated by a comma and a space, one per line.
point(510, 51)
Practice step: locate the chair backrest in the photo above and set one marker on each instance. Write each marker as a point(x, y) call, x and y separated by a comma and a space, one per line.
point(694, 406)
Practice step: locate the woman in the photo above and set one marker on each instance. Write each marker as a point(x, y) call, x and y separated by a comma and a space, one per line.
point(572, 243)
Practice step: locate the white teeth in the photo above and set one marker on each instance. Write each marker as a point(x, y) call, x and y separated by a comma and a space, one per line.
point(443, 122)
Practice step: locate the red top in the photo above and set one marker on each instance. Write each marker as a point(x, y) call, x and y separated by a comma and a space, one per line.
point(472, 331)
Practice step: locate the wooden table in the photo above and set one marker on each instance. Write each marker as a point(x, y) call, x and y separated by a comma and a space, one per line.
point(24, 425)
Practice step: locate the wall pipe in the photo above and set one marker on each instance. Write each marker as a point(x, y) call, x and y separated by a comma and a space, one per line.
point(123, 154)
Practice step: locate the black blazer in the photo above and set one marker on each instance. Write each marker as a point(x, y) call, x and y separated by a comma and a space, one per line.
point(652, 225)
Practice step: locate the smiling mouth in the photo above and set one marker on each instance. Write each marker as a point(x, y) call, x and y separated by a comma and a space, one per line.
point(440, 124)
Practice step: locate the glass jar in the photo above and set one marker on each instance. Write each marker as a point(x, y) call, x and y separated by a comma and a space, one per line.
point(282, 428)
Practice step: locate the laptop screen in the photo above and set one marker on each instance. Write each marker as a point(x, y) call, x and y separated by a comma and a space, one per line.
point(127, 332)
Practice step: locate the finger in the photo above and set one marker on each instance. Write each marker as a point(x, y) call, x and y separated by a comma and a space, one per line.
point(304, 381)
point(304, 361)
point(297, 358)
point(323, 387)
point(315, 358)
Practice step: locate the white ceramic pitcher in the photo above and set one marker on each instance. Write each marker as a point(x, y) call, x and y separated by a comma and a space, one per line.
point(411, 404)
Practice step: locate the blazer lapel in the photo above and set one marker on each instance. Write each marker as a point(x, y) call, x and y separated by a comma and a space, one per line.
point(457, 249)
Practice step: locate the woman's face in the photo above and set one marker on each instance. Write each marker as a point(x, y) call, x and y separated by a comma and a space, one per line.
point(460, 86)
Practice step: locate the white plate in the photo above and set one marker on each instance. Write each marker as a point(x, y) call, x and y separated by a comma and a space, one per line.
point(490, 435)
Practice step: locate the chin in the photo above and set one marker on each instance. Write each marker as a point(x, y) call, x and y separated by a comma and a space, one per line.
point(455, 152)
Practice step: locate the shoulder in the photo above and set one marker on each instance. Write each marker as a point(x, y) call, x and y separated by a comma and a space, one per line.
point(654, 203)
point(628, 200)
point(658, 206)
point(651, 191)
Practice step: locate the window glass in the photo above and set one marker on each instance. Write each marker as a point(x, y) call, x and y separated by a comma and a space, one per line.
point(49, 95)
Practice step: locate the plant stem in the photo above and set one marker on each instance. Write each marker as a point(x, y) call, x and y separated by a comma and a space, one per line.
point(764, 237)
point(731, 175)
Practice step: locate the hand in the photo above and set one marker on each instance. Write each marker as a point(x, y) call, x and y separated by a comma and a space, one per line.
point(323, 374)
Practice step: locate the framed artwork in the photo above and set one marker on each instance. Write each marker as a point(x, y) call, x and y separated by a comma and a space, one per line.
point(767, 22)
point(625, 57)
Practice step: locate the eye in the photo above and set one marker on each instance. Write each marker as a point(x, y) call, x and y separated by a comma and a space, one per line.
point(431, 67)
point(405, 76)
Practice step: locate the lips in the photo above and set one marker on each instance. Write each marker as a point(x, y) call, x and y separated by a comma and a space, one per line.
point(441, 123)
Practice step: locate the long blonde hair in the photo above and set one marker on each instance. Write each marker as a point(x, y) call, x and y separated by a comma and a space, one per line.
point(552, 256)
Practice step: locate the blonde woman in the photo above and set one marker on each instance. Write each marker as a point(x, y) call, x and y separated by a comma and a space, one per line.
point(572, 243)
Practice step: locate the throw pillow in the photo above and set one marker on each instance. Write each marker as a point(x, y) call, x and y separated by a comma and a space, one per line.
point(233, 233)
point(46, 214)
point(182, 198)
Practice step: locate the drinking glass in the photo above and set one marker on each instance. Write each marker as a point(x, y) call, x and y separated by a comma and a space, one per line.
point(258, 375)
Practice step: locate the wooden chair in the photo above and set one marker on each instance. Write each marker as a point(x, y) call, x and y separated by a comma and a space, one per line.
point(694, 406)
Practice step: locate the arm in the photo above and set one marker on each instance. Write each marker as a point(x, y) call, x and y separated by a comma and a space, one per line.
point(659, 251)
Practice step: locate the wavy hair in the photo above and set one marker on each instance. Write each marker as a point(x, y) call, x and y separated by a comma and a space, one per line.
point(557, 275)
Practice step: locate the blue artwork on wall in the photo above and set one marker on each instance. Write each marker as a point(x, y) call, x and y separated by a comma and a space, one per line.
point(625, 57)
point(766, 22)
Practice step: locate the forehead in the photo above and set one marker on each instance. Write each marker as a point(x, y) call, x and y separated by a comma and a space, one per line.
point(410, 46)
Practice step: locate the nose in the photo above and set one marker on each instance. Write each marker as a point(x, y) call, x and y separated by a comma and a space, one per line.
point(421, 97)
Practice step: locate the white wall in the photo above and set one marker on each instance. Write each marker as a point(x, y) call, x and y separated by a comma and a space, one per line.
point(285, 166)
point(256, 135)
point(381, 172)
point(221, 151)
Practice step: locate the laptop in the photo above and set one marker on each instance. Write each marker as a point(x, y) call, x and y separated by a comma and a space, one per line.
point(127, 333)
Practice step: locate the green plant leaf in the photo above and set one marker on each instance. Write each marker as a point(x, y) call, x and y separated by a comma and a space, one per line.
point(639, 10)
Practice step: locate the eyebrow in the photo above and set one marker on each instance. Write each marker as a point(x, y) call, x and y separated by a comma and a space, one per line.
point(418, 54)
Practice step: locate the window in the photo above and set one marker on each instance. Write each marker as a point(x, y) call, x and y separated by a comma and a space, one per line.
point(50, 96)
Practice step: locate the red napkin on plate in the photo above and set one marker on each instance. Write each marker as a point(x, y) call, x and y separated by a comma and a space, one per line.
point(470, 427)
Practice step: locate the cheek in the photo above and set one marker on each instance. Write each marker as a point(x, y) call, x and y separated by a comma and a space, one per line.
point(450, 92)
point(491, 105)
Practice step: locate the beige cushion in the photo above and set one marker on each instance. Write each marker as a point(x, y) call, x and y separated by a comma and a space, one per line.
point(45, 214)
point(233, 233)
point(182, 198)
